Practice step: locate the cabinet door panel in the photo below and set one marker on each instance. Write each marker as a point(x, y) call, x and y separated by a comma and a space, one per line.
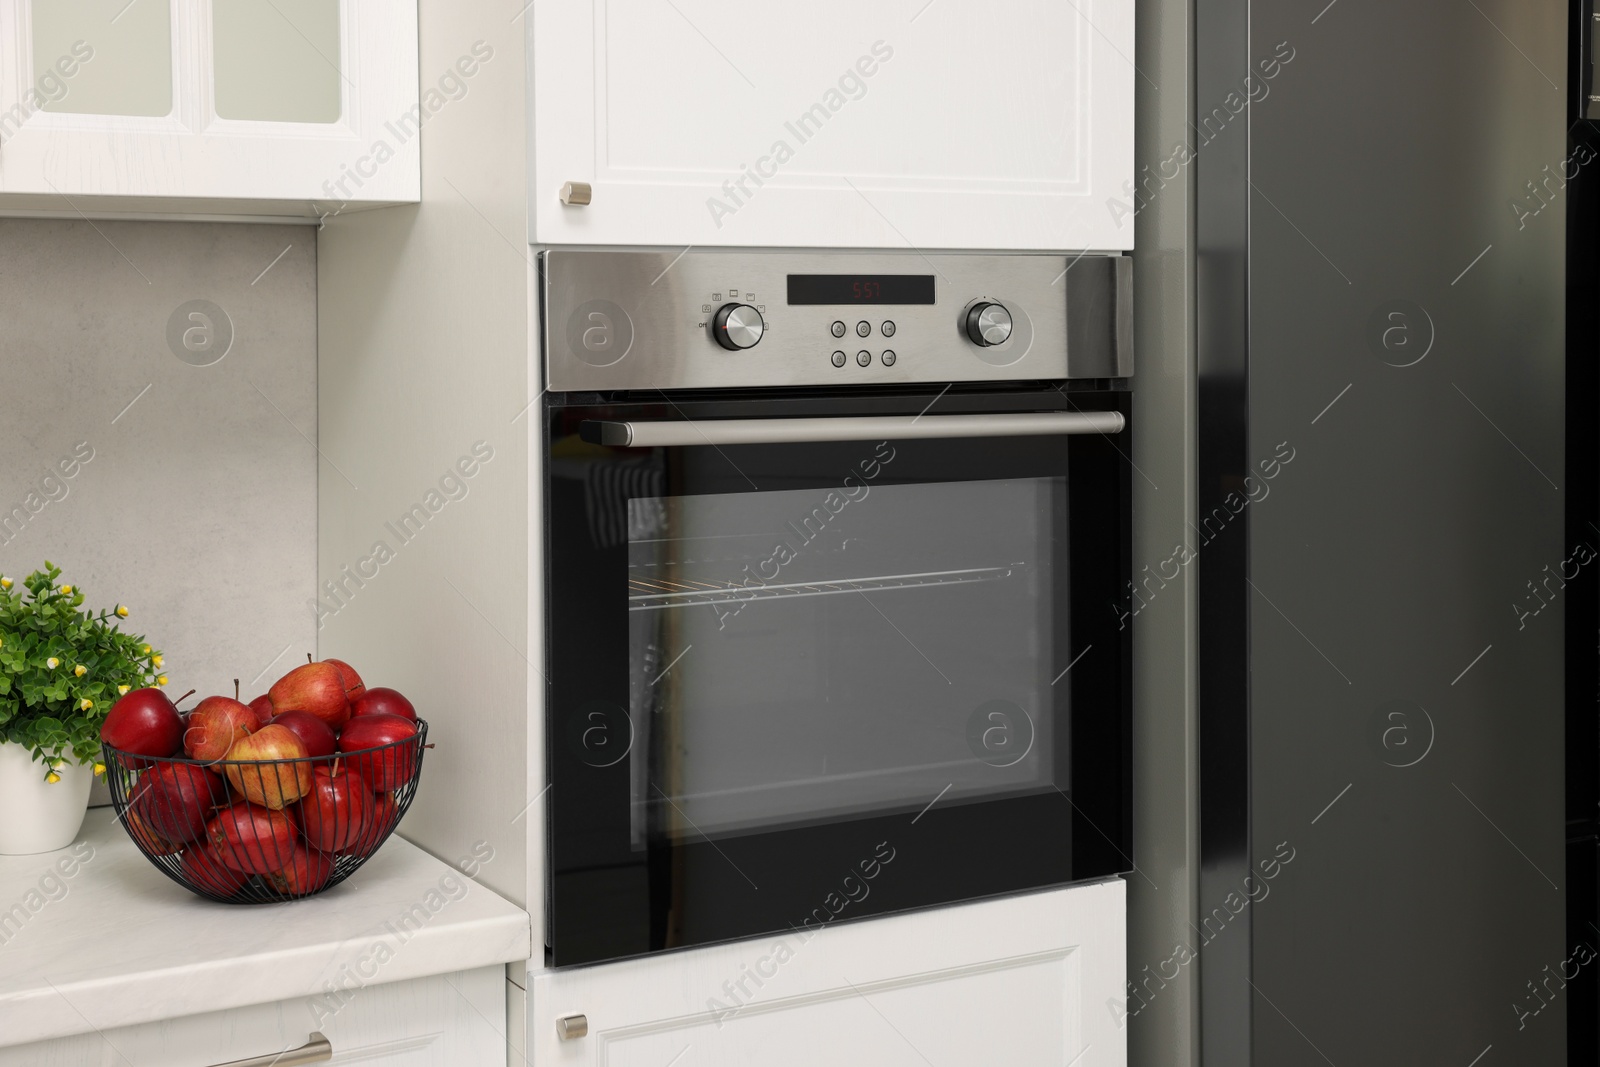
point(1027, 979)
point(308, 101)
point(126, 70)
point(1004, 124)
point(277, 60)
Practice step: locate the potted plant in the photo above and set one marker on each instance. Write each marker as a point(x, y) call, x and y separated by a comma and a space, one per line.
point(61, 669)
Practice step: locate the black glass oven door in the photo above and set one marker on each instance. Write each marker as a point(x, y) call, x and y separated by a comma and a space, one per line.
point(796, 680)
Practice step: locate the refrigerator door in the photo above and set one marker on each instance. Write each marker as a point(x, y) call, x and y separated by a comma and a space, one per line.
point(1381, 497)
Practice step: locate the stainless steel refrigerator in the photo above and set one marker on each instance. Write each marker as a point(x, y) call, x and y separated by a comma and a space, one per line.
point(1389, 541)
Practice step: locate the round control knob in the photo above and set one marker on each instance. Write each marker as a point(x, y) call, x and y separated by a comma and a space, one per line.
point(737, 327)
point(988, 324)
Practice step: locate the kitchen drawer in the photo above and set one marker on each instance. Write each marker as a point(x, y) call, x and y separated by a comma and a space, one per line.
point(454, 1020)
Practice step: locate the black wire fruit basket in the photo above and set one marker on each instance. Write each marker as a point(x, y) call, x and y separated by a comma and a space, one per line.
point(264, 831)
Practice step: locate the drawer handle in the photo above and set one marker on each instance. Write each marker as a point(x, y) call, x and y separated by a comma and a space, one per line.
point(317, 1050)
point(572, 1027)
point(576, 194)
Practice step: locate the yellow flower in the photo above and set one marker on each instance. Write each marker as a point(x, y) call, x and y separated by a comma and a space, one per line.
point(122, 611)
point(122, 690)
point(144, 650)
point(99, 769)
point(80, 670)
point(5, 583)
point(66, 590)
point(52, 663)
point(161, 680)
point(156, 661)
point(85, 704)
point(52, 778)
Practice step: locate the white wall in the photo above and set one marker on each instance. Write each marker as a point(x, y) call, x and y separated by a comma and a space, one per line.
point(199, 506)
point(424, 326)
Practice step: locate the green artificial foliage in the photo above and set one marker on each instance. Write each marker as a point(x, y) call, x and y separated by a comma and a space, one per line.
point(62, 668)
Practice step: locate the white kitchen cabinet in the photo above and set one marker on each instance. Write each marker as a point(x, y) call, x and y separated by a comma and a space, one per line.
point(228, 107)
point(1030, 979)
point(997, 124)
point(455, 1020)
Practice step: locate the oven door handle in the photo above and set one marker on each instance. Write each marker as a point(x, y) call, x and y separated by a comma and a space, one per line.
point(846, 428)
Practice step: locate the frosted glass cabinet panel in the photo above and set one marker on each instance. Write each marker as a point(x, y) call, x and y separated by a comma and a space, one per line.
point(996, 124)
point(107, 57)
point(277, 60)
point(240, 107)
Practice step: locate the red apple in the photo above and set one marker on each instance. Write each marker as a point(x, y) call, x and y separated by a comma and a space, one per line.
point(383, 701)
point(353, 685)
point(214, 725)
point(384, 814)
point(389, 768)
point(252, 839)
point(175, 799)
point(315, 688)
point(269, 767)
point(306, 872)
point(145, 723)
point(148, 839)
point(262, 706)
point(201, 867)
point(319, 740)
point(337, 809)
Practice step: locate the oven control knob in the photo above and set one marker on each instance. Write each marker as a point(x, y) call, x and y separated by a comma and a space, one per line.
point(988, 324)
point(737, 326)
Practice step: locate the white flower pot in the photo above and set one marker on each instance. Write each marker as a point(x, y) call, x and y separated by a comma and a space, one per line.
point(36, 815)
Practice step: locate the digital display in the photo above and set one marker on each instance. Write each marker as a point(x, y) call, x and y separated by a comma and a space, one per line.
point(860, 288)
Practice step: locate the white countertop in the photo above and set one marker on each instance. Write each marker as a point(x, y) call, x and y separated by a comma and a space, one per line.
point(118, 942)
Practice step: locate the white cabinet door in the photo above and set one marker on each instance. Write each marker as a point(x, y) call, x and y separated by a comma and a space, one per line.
point(1001, 124)
point(208, 100)
point(454, 1020)
point(1026, 980)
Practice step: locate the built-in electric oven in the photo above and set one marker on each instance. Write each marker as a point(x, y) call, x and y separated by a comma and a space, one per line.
point(837, 587)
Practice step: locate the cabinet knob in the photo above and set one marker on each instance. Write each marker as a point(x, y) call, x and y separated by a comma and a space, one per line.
point(572, 1027)
point(576, 194)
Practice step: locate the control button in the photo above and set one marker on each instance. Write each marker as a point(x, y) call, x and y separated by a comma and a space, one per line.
point(737, 326)
point(888, 357)
point(988, 324)
point(863, 329)
point(838, 329)
point(887, 329)
point(864, 358)
point(838, 359)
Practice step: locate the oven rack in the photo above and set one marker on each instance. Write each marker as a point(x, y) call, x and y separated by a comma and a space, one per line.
point(647, 594)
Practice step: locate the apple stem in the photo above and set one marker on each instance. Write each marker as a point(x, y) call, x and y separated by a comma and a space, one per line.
point(236, 689)
point(308, 657)
point(336, 761)
point(430, 744)
point(185, 696)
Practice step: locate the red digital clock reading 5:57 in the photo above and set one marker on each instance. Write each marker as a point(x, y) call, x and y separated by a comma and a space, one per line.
point(860, 289)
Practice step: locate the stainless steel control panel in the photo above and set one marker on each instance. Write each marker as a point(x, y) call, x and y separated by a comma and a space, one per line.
point(730, 319)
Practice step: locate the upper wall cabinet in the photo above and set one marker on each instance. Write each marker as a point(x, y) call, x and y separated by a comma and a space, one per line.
point(999, 124)
point(237, 106)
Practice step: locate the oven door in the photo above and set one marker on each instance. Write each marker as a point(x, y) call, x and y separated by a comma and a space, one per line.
point(810, 661)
